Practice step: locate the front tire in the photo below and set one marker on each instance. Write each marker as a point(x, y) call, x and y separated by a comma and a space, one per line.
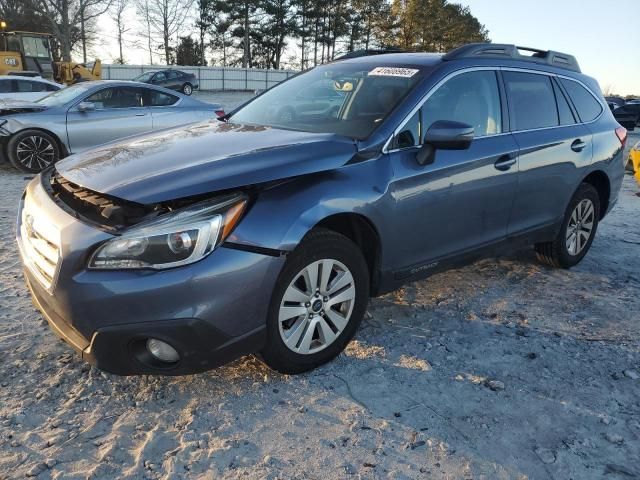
point(577, 232)
point(319, 300)
point(187, 89)
point(32, 150)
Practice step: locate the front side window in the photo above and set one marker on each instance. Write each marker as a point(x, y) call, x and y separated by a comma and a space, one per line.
point(116, 97)
point(472, 98)
point(532, 101)
point(159, 77)
point(359, 98)
point(172, 75)
point(588, 107)
point(410, 135)
point(5, 86)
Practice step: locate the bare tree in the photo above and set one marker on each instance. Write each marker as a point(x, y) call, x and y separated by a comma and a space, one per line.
point(68, 17)
point(117, 15)
point(164, 18)
point(144, 11)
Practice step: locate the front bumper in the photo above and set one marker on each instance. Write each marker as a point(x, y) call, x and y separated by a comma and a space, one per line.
point(211, 312)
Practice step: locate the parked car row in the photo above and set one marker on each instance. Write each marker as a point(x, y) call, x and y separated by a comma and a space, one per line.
point(37, 134)
point(268, 231)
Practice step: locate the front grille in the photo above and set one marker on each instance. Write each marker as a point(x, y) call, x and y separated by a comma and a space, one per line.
point(40, 244)
point(100, 210)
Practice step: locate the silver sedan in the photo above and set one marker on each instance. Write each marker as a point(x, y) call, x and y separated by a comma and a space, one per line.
point(36, 135)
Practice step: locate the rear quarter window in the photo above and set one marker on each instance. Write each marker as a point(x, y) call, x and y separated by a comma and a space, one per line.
point(587, 106)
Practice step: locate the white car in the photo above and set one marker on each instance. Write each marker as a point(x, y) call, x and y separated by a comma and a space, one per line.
point(29, 89)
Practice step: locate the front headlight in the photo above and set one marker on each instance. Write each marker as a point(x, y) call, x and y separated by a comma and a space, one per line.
point(177, 238)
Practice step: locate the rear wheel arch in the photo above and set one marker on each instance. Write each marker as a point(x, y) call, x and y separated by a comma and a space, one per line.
point(361, 231)
point(600, 181)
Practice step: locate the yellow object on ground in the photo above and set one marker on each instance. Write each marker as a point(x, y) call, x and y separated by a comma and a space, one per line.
point(634, 160)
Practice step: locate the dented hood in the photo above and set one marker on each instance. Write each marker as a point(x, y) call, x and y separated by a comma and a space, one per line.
point(202, 158)
point(8, 106)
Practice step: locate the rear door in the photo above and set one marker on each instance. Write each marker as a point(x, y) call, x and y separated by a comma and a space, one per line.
point(174, 80)
point(119, 112)
point(463, 199)
point(554, 148)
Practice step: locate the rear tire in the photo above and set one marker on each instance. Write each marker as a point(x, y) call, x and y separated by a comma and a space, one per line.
point(187, 89)
point(318, 301)
point(32, 150)
point(578, 230)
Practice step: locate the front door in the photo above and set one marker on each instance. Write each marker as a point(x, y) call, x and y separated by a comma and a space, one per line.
point(463, 199)
point(119, 112)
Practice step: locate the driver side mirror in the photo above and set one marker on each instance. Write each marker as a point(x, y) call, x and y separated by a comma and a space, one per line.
point(444, 135)
point(86, 107)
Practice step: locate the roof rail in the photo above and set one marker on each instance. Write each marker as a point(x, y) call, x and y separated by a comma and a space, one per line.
point(366, 53)
point(502, 50)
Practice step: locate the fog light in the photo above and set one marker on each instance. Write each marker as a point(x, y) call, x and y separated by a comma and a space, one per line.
point(162, 351)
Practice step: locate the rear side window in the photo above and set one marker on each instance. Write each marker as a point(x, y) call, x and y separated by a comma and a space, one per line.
point(5, 86)
point(29, 86)
point(51, 88)
point(587, 106)
point(532, 101)
point(160, 99)
point(564, 110)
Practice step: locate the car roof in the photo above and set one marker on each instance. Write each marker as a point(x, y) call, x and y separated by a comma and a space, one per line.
point(384, 59)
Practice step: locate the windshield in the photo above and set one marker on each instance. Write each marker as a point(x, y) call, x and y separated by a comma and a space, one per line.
point(350, 99)
point(64, 95)
point(145, 77)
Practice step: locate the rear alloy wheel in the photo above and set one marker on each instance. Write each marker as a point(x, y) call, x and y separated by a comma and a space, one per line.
point(317, 304)
point(187, 89)
point(577, 232)
point(32, 151)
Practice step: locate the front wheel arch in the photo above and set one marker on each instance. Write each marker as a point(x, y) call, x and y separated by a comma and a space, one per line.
point(62, 150)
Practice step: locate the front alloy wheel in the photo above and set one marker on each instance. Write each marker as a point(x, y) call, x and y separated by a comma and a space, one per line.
point(32, 151)
point(317, 304)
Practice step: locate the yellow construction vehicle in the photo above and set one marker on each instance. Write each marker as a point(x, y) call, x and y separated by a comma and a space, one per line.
point(29, 53)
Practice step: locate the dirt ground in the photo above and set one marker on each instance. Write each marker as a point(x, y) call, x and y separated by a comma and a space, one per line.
point(502, 369)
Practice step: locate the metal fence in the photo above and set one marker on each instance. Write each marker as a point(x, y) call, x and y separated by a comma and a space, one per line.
point(210, 78)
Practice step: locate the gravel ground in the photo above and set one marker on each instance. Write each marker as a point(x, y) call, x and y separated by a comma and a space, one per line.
point(501, 369)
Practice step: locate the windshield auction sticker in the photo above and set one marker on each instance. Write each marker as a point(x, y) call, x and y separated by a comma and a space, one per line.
point(393, 72)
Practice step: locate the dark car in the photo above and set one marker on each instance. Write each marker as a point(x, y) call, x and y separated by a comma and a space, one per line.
point(173, 79)
point(626, 114)
point(180, 250)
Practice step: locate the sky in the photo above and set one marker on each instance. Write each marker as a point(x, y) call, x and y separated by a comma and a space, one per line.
point(604, 37)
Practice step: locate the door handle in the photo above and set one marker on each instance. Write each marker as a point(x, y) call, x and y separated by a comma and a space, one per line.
point(578, 145)
point(140, 114)
point(505, 162)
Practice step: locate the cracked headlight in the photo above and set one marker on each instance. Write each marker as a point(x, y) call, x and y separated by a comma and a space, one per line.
point(178, 238)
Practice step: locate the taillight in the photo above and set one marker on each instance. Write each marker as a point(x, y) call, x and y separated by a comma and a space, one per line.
point(621, 133)
point(220, 113)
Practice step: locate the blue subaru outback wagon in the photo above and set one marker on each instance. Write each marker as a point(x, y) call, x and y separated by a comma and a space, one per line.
point(180, 250)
